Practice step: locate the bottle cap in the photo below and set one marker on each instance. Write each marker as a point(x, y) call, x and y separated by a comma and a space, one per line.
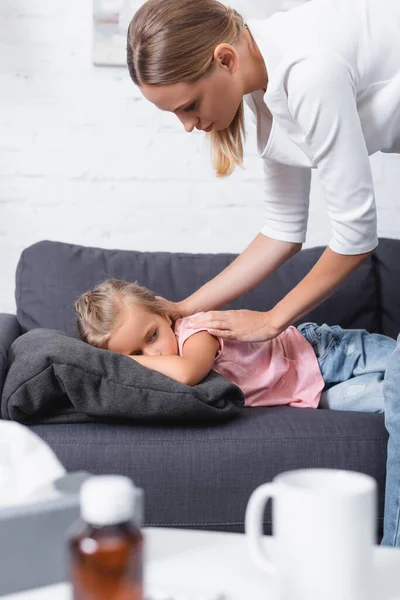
point(107, 500)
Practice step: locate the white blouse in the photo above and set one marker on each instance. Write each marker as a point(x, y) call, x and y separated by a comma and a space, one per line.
point(333, 99)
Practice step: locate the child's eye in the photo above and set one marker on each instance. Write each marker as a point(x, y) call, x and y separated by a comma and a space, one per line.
point(191, 107)
point(154, 335)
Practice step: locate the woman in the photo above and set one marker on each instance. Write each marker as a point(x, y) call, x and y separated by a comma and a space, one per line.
point(323, 82)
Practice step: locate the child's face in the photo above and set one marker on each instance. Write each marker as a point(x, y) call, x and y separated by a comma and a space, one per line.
point(143, 333)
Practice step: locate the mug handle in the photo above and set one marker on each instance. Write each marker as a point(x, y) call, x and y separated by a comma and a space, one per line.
point(254, 525)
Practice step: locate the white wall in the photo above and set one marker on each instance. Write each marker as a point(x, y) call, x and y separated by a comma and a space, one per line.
point(84, 159)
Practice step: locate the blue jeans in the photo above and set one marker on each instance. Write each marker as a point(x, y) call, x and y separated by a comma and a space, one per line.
point(361, 372)
point(391, 391)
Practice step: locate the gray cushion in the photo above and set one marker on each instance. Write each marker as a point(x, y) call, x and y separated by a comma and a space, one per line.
point(52, 275)
point(54, 378)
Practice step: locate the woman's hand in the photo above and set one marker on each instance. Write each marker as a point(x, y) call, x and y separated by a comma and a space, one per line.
point(244, 325)
point(175, 310)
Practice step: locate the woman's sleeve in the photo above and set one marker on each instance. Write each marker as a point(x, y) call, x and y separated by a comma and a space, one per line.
point(322, 101)
point(287, 192)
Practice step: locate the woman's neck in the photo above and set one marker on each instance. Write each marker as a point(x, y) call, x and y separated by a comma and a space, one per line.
point(255, 75)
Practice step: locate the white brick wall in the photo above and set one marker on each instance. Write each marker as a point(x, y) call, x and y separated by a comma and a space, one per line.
point(84, 159)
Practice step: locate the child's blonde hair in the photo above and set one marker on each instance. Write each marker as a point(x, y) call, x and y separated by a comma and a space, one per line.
point(173, 41)
point(100, 309)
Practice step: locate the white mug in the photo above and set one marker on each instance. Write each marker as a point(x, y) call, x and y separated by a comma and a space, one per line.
point(324, 533)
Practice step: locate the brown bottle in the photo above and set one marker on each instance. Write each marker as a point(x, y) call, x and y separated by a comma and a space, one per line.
point(106, 549)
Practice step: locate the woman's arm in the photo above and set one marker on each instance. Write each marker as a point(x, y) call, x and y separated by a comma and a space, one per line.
point(286, 190)
point(322, 101)
point(261, 258)
point(196, 361)
point(324, 278)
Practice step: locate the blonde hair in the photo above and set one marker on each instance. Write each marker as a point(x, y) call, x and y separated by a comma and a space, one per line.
point(99, 310)
point(173, 41)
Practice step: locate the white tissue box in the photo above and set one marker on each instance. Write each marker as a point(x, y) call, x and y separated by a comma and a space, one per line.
point(33, 538)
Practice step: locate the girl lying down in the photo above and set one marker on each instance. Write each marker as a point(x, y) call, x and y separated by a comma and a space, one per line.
point(308, 366)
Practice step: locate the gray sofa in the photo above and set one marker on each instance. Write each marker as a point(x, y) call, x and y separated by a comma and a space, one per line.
point(201, 476)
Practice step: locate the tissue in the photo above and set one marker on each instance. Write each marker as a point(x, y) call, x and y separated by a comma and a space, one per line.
point(28, 466)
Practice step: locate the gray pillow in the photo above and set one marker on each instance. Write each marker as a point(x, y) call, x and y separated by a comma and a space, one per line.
point(54, 378)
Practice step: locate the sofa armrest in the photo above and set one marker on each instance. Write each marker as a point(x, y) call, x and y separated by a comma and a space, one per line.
point(9, 331)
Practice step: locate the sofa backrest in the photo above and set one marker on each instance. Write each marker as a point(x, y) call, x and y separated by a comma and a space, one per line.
point(52, 275)
point(387, 267)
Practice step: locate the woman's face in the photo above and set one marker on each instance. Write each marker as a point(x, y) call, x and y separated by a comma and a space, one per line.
point(210, 103)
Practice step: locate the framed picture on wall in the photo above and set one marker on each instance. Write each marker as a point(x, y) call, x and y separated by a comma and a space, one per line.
point(111, 19)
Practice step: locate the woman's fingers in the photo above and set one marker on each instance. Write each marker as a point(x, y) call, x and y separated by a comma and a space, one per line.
point(215, 325)
point(223, 333)
point(244, 325)
point(171, 308)
point(215, 319)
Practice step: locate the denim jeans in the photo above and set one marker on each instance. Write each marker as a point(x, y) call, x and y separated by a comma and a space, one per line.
point(361, 371)
point(352, 363)
point(391, 390)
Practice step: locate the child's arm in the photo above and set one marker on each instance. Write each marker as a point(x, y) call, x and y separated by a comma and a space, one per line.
point(199, 352)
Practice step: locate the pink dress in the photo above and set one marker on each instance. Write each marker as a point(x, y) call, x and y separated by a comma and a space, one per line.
point(280, 371)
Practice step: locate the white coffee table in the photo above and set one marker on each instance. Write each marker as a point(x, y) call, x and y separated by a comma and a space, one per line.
point(208, 561)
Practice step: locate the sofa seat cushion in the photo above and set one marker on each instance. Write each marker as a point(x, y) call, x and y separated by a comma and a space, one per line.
point(202, 476)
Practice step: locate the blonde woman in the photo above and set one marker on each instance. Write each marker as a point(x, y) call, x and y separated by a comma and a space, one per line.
point(323, 82)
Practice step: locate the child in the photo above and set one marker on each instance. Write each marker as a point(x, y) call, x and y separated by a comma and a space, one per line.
point(346, 366)
point(313, 365)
